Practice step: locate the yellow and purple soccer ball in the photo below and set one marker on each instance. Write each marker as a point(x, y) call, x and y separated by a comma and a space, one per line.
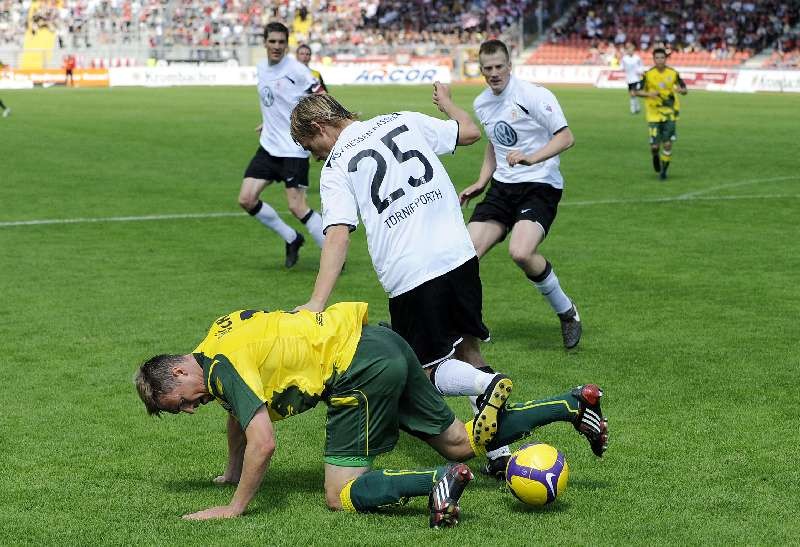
point(536, 474)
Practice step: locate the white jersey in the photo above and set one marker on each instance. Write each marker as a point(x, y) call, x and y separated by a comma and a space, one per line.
point(633, 67)
point(523, 117)
point(386, 171)
point(280, 87)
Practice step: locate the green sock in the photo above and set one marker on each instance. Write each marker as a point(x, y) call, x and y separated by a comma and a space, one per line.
point(520, 419)
point(387, 487)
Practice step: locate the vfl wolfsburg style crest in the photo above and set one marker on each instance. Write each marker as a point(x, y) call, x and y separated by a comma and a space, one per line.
point(267, 98)
point(505, 134)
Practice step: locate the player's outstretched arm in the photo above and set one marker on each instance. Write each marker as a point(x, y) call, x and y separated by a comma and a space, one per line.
point(334, 253)
point(236, 446)
point(487, 170)
point(468, 131)
point(257, 454)
point(561, 141)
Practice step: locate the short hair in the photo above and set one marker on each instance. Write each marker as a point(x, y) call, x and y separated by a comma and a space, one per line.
point(304, 46)
point(154, 379)
point(276, 27)
point(490, 47)
point(659, 50)
point(321, 109)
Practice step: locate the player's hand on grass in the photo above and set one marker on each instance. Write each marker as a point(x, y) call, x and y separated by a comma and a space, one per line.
point(473, 190)
point(441, 95)
point(515, 156)
point(220, 512)
point(259, 127)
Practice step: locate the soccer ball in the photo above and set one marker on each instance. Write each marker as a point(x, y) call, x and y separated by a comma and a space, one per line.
point(536, 474)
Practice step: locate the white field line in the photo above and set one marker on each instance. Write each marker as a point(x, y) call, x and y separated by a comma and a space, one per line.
point(692, 196)
point(737, 183)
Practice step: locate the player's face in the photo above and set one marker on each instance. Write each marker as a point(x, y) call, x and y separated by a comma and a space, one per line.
point(320, 145)
point(496, 69)
point(660, 60)
point(304, 55)
point(189, 393)
point(276, 44)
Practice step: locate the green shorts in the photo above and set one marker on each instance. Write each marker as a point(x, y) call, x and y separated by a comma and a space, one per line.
point(382, 391)
point(662, 131)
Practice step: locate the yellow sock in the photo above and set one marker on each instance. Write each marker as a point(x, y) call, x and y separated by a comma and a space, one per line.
point(665, 156)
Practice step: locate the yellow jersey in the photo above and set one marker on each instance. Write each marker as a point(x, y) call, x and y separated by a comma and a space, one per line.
point(665, 107)
point(284, 360)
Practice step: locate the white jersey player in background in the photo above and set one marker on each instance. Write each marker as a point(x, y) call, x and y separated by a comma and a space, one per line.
point(634, 68)
point(527, 131)
point(282, 81)
point(386, 171)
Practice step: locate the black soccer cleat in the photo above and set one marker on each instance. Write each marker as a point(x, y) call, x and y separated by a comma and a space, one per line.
point(443, 499)
point(590, 421)
point(293, 250)
point(489, 405)
point(571, 329)
point(495, 468)
point(656, 163)
point(663, 174)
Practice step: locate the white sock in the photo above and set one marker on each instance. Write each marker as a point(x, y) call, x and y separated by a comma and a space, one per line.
point(454, 377)
point(314, 226)
point(269, 218)
point(551, 290)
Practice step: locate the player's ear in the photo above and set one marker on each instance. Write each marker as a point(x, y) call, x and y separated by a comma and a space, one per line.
point(178, 370)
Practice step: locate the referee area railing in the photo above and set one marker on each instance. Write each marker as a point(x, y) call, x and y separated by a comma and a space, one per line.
point(392, 71)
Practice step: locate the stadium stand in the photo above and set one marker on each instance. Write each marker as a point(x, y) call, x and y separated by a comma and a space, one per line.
point(714, 33)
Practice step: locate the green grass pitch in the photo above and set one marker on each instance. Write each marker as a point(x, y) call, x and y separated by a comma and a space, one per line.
point(688, 291)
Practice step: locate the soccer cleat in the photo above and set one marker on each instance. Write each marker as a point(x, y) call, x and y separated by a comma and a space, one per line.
point(571, 329)
point(496, 467)
point(663, 174)
point(489, 405)
point(656, 163)
point(293, 250)
point(590, 421)
point(6, 112)
point(443, 499)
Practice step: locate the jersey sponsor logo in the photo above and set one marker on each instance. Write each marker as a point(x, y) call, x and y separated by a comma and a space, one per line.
point(505, 134)
point(267, 98)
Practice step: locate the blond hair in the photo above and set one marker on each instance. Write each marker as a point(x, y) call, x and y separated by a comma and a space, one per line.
point(154, 379)
point(320, 109)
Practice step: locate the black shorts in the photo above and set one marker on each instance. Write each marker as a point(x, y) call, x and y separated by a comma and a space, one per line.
point(509, 203)
point(434, 317)
point(292, 171)
point(633, 87)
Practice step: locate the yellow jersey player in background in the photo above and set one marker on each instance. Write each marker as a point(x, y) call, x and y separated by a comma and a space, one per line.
point(303, 54)
point(660, 86)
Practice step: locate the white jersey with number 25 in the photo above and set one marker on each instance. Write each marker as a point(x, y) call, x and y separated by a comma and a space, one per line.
point(386, 171)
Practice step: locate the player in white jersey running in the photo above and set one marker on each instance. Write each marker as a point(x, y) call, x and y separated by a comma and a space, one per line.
point(527, 131)
point(634, 68)
point(386, 171)
point(282, 81)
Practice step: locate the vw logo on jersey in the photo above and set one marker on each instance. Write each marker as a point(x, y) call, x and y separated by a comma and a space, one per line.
point(505, 134)
point(267, 97)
